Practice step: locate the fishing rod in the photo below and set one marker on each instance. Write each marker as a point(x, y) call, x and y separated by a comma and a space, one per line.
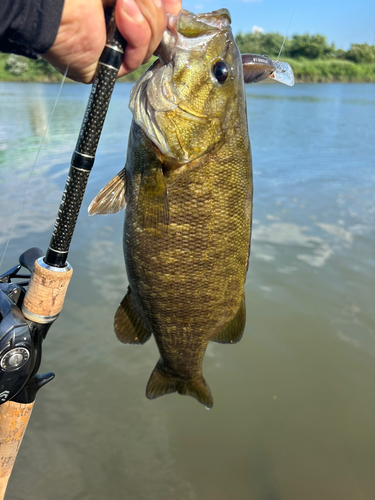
point(26, 316)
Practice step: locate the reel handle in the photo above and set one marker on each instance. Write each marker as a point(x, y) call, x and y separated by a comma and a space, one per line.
point(28, 258)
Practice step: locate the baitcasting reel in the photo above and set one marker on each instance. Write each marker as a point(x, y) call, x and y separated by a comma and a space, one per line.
point(20, 339)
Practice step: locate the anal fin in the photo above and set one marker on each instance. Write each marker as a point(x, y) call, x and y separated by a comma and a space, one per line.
point(161, 383)
point(129, 328)
point(111, 198)
point(233, 331)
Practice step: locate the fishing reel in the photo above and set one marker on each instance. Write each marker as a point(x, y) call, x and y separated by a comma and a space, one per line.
point(20, 339)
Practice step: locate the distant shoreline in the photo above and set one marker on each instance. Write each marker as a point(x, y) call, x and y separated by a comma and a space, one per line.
point(305, 71)
point(129, 80)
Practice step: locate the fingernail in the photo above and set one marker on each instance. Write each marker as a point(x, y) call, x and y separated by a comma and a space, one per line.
point(132, 10)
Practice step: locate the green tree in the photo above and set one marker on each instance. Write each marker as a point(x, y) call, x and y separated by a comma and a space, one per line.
point(310, 47)
point(340, 54)
point(260, 43)
point(361, 53)
point(42, 67)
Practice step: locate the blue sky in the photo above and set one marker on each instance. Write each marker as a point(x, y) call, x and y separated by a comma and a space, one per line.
point(341, 21)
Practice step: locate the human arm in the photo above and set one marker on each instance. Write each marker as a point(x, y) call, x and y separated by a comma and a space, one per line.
point(73, 32)
point(29, 27)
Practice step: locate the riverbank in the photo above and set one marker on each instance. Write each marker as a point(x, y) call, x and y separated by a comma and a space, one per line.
point(21, 69)
point(331, 70)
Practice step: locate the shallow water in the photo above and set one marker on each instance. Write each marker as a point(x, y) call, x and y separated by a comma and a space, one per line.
point(295, 400)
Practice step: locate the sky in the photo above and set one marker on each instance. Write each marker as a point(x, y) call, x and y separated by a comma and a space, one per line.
point(343, 22)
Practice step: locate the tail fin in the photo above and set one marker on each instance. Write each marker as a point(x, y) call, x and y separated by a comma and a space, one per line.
point(161, 383)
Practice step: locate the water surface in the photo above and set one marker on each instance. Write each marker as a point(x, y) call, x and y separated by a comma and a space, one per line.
point(295, 400)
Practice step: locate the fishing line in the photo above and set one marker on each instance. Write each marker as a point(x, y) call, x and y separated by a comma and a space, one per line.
point(34, 164)
point(286, 34)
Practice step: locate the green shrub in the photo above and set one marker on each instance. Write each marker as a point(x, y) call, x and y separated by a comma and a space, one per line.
point(334, 70)
point(361, 53)
point(261, 43)
point(17, 65)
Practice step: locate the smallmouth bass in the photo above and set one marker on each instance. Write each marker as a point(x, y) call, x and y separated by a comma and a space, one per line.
point(187, 187)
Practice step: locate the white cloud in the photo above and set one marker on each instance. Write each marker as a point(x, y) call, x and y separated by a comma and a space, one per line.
point(257, 29)
point(337, 231)
point(317, 253)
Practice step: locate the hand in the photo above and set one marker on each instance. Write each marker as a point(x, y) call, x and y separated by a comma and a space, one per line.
point(82, 34)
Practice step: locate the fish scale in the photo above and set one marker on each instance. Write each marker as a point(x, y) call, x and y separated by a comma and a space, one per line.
point(210, 232)
point(188, 193)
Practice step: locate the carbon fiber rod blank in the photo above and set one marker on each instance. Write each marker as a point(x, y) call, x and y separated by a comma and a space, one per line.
point(84, 154)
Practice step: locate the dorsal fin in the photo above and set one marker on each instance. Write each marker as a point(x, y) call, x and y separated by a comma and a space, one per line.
point(233, 331)
point(129, 328)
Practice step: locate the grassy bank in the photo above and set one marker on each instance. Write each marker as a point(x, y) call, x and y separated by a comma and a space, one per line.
point(331, 70)
point(20, 69)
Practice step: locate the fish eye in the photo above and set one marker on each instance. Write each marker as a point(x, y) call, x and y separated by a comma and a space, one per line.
point(220, 71)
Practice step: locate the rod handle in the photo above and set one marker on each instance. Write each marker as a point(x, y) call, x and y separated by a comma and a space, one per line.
point(14, 418)
point(45, 296)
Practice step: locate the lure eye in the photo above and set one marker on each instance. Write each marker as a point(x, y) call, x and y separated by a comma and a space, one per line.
point(220, 71)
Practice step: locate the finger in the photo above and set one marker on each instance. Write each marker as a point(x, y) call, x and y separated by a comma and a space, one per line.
point(141, 23)
point(135, 29)
point(172, 6)
point(155, 15)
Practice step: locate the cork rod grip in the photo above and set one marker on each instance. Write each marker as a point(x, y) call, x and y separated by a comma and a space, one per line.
point(44, 299)
point(14, 418)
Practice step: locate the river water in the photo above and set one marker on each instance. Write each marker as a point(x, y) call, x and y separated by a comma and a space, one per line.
point(294, 404)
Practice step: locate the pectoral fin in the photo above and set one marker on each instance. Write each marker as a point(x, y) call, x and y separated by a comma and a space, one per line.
point(153, 200)
point(233, 331)
point(129, 328)
point(161, 383)
point(110, 199)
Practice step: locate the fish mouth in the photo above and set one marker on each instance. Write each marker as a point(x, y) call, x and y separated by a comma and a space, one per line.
point(186, 27)
point(184, 31)
point(168, 42)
